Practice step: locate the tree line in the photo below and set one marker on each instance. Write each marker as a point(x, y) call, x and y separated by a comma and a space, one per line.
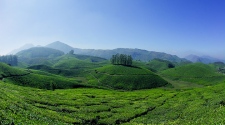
point(121, 59)
point(9, 59)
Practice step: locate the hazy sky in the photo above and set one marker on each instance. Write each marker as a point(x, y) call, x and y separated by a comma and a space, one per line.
point(173, 26)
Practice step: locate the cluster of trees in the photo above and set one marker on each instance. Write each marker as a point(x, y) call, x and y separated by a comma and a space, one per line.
point(122, 59)
point(9, 59)
point(71, 52)
point(221, 70)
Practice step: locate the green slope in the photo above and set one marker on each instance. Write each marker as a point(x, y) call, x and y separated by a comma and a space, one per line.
point(36, 79)
point(38, 55)
point(37, 52)
point(159, 65)
point(24, 105)
point(72, 62)
point(46, 81)
point(7, 71)
point(126, 78)
point(196, 73)
point(57, 71)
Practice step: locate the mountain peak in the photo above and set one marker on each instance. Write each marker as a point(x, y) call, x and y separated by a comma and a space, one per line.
point(203, 59)
point(60, 46)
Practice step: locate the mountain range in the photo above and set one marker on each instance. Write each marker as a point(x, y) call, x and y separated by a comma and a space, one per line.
point(137, 54)
point(203, 59)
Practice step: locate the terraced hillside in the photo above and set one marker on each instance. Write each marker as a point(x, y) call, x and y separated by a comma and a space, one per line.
point(159, 65)
point(8, 71)
point(124, 77)
point(77, 61)
point(37, 79)
point(96, 106)
point(197, 73)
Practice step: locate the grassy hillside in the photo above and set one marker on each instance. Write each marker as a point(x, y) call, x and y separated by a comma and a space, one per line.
point(159, 65)
point(196, 73)
point(37, 52)
point(72, 62)
point(7, 71)
point(45, 81)
point(37, 79)
point(57, 71)
point(38, 55)
point(89, 58)
point(24, 105)
point(123, 77)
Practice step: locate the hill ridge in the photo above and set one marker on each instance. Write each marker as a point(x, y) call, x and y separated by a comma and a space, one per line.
point(137, 54)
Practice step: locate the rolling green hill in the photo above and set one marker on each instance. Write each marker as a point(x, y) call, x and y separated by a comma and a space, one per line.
point(159, 65)
point(196, 73)
point(69, 61)
point(24, 105)
point(126, 78)
point(57, 71)
point(45, 81)
point(38, 80)
point(219, 66)
point(8, 71)
point(39, 52)
point(38, 55)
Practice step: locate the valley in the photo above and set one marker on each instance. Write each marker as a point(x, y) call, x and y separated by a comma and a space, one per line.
point(49, 86)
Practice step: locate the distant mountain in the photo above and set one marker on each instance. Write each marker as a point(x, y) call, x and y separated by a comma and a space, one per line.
point(137, 54)
point(202, 59)
point(60, 46)
point(37, 52)
point(27, 46)
point(38, 55)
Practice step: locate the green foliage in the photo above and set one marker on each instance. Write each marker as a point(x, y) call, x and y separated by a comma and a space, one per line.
point(89, 58)
point(197, 73)
point(124, 70)
point(45, 82)
point(126, 78)
point(37, 52)
point(9, 59)
point(71, 52)
point(121, 59)
point(38, 55)
point(219, 66)
point(7, 71)
point(24, 105)
point(159, 65)
point(57, 71)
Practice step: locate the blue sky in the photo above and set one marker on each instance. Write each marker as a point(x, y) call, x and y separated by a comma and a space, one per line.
point(178, 27)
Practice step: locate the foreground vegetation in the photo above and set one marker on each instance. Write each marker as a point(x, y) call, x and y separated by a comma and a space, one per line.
point(96, 106)
point(78, 89)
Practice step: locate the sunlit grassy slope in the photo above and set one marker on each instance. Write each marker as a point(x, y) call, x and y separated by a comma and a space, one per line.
point(159, 65)
point(196, 73)
point(124, 77)
point(37, 79)
point(77, 62)
point(24, 105)
point(6, 71)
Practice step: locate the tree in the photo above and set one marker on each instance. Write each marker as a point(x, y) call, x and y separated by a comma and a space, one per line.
point(9, 59)
point(71, 52)
point(121, 59)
